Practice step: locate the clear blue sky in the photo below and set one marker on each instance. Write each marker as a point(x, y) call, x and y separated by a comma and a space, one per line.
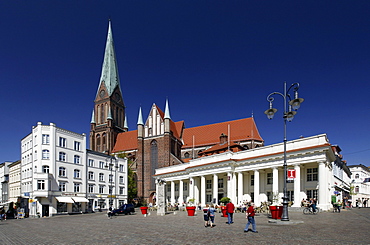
point(214, 60)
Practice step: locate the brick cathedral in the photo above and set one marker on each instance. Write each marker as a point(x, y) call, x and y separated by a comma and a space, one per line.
point(158, 141)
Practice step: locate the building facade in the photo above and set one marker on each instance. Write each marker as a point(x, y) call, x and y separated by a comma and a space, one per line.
point(58, 174)
point(360, 184)
point(255, 174)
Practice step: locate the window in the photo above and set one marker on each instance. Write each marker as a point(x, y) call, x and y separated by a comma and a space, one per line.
point(77, 146)
point(41, 184)
point(62, 142)
point(77, 159)
point(121, 180)
point(62, 156)
point(186, 155)
point(76, 174)
point(209, 183)
point(101, 164)
point(269, 178)
point(357, 176)
point(45, 139)
point(168, 188)
point(62, 171)
point(121, 168)
point(121, 190)
point(91, 163)
point(176, 187)
point(252, 179)
point(45, 154)
point(76, 187)
point(91, 175)
point(91, 188)
point(45, 169)
point(209, 198)
point(101, 177)
point(101, 189)
point(220, 183)
point(311, 194)
point(357, 189)
point(62, 186)
point(110, 178)
point(312, 174)
point(185, 187)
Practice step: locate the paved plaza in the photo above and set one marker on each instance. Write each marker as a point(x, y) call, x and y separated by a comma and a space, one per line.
point(347, 227)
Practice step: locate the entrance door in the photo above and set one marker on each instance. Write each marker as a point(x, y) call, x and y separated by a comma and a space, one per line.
point(45, 210)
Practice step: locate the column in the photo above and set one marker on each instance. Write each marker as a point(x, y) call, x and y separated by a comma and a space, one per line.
point(297, 186)
point(230, 186)
point(172, 192)
point(191, 188)
point(215, 188)
point(275, 184)
point(323, 198)
point(240, 188)
point(257, 188)
point(203, 190)
point(181, 192)
point(196, 190)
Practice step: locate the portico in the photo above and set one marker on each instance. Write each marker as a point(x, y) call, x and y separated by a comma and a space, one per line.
point(255, 175)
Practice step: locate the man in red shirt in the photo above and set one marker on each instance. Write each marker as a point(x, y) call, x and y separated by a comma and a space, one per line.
point(250, 216)
point(230, 212)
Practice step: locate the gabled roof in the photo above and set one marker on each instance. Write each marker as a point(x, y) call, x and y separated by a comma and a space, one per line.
point(240, 130)
point(126, 141)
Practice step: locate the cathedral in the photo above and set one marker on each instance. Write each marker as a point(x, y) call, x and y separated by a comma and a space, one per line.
point(158, 141)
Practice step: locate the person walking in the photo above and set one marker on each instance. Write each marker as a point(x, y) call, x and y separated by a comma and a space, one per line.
point(250, 216)
point(109, 213)
point(230, 212)
point(212, 215)
point(206, 214)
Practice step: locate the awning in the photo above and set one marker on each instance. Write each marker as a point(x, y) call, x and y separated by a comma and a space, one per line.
point(80, 199)
point(65, 199)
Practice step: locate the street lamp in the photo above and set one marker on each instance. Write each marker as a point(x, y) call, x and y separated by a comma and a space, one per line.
point(292, 105)
point(110, 181)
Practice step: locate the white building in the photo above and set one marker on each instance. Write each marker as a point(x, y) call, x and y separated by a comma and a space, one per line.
point(55, 173)
point(15, 181)
point(256, 174)
point(4, 180)
point(360, 183)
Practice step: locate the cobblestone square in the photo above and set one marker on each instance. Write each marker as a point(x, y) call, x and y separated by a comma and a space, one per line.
point(347, 227)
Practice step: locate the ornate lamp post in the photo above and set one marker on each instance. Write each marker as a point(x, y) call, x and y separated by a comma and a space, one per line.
point(111, 179)
point(290, 109)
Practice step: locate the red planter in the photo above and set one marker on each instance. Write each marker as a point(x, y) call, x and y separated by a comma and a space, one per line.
point(276, 212)
point(191, 211)
point(223, 210)
point(144, 210)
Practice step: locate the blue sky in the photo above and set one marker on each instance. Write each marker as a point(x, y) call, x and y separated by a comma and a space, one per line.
point(215, 61)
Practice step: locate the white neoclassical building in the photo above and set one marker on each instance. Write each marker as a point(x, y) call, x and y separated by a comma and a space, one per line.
point(255, 174)
point(58, 175)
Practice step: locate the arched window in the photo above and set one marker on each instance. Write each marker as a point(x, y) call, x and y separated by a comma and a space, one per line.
point(153, 160)
point(186, 155)
point(357, 176)
point(97, 142)
point(45, 169)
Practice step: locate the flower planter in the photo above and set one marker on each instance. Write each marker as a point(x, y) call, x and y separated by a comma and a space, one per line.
point(276, 212)
point(191, 211)
point(144, 210)
point(223, 210)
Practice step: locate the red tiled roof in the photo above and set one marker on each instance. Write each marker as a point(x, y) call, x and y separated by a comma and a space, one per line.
point(240, 130)
point(126, 141)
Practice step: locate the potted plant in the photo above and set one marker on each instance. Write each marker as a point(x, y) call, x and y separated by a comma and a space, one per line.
point(190, 208)
point(275, 208)
point(224, 201)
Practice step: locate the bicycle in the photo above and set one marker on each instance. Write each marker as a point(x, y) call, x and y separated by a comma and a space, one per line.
point(309, 210)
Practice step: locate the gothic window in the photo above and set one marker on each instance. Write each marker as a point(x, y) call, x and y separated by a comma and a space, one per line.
point(104, 140)
point(98, 142)
point(102, 113)
point(153, 160)
point(117, 117)
point(186, 155)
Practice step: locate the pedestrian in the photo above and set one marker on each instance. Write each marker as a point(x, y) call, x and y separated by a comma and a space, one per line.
point(212, 215)
point(230, 212)
point(206, 214)
point(250, 216)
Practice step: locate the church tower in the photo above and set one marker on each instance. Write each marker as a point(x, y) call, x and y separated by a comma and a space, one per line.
point(108, 117)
